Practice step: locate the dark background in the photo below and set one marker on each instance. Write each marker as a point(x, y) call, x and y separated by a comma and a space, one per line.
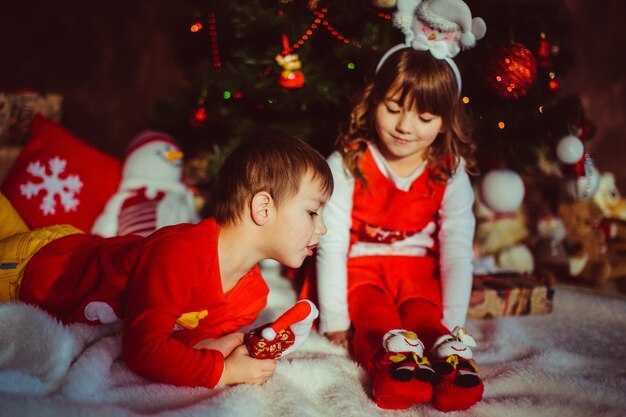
point(113, 60)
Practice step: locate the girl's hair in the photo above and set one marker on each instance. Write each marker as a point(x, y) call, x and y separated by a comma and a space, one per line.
point(426, 83)
point(269, 161)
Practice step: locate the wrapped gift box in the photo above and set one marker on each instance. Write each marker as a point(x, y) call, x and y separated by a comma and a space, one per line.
point(509, 294)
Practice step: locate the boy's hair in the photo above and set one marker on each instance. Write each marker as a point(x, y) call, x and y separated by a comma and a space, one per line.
point(270, 161)
point(430, 85)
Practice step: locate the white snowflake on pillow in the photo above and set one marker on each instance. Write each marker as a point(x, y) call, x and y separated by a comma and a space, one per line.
point(66, 188)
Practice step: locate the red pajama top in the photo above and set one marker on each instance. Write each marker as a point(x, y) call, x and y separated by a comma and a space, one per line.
point(166, 288)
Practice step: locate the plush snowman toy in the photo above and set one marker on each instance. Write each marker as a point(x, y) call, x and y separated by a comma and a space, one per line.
point(151, 194)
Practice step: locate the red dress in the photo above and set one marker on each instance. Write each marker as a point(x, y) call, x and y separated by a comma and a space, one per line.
point(396, 215)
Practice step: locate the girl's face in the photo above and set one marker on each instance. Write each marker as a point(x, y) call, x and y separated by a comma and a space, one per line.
point(298, 226)
point(405, 133)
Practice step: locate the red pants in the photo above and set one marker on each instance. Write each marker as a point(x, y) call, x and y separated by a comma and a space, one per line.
point(387, 293)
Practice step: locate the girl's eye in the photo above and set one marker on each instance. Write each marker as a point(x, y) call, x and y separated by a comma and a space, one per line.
point(392, 110)
point(426, 119)
point(312, 213)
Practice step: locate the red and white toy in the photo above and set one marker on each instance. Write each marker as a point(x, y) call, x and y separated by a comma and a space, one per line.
point(151, 193)
point(285, 334)
point(583, 177)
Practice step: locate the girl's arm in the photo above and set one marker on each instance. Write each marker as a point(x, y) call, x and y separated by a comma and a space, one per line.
point(332, 253)
point(456, 237)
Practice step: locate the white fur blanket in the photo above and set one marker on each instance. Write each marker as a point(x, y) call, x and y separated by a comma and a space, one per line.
point(571, 362)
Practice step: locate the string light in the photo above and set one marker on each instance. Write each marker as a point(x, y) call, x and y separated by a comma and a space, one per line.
point(215, 50)
point(320, 19)
point(501, 125)
point(465, 100)
point(196, 27)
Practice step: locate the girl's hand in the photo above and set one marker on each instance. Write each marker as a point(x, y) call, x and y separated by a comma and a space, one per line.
point(240, 367)
point(225, 344)
point(338, 338)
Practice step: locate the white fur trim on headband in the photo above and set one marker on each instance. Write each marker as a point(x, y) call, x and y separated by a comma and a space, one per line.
point(449, 61)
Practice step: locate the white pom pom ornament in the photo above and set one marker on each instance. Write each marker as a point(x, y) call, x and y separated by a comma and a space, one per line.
point(570, 149)
point(502, 190)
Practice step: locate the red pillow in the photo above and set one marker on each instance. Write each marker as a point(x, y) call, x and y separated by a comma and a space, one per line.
point(59, 179)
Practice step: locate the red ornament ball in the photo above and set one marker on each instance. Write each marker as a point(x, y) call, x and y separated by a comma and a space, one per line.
point(512, 71)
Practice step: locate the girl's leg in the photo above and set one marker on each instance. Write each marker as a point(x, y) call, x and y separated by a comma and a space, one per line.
point(372, 315)
point(424, 318)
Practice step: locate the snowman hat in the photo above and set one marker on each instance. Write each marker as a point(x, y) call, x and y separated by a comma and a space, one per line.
point(149, 136)
point(302, 310)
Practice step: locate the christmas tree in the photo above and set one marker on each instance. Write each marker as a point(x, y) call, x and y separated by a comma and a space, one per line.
point(296, 64)
point(240, 58)
point(290, 65)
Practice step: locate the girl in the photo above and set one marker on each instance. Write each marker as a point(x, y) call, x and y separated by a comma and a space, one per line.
point(397, 259)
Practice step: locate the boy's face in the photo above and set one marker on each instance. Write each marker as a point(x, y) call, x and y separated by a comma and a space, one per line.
point(298, 224)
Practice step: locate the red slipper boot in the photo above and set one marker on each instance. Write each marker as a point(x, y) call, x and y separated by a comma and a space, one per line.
point(394, 369)
point(460, 386)
point(450, 396)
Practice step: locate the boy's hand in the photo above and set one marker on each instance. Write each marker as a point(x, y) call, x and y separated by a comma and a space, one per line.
point(338, 338)
point(240, 367)
point(225, 344)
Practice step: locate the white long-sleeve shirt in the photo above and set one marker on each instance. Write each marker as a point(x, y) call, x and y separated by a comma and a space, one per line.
point(456, 232)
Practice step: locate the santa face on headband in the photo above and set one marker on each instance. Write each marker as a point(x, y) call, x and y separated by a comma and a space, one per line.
point(440, 43)
point(442, 27)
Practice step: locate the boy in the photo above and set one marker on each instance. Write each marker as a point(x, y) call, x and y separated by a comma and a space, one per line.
point(184, 291)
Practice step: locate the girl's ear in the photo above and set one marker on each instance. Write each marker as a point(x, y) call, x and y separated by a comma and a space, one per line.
point(260, 207)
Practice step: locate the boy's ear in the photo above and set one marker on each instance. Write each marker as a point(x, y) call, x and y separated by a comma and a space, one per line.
point(260, 207)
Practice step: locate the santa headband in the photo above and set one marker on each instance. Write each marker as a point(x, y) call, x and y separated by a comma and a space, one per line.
point(442, 27)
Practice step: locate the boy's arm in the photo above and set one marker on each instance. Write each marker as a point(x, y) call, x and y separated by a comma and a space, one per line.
point(240, 367)
point(165, 278)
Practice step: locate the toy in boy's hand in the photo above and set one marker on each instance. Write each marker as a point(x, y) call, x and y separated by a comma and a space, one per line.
point(151, 194)
point(284, 335)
